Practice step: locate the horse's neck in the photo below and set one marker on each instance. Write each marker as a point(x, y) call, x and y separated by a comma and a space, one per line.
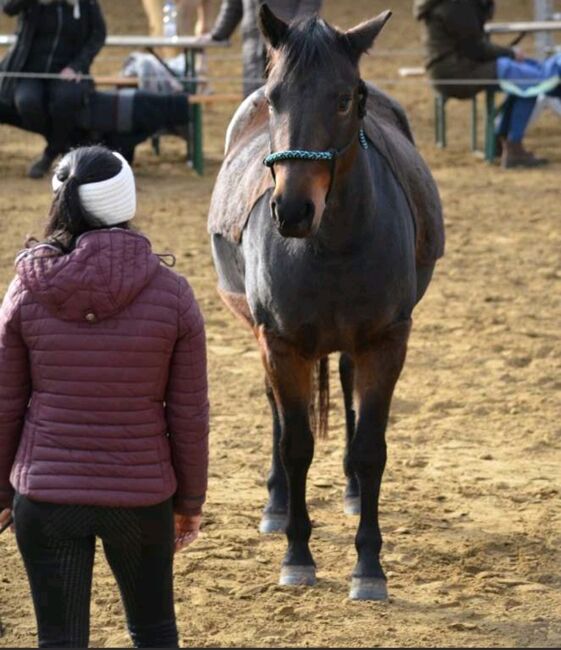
point(348, 217)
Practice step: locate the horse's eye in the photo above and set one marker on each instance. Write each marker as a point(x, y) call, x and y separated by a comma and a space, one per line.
point(344, 103)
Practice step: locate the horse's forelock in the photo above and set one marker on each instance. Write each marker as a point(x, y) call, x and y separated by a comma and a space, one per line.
point(309, 47)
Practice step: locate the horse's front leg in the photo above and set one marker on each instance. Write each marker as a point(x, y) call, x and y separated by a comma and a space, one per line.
point(291, 377)
point(275, 514)
point(377, 371)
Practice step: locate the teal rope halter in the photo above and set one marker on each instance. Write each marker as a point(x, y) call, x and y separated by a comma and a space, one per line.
point(303, 154)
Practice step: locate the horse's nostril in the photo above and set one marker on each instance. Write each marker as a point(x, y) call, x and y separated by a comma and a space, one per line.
point(309, 210)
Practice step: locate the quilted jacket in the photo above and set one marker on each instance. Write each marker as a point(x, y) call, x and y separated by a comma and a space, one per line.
point(103, 383)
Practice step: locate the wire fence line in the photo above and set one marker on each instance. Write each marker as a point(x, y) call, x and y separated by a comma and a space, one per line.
point(420, 79)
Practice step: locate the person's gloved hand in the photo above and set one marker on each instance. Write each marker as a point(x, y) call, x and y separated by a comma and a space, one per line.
point(206, 38)
point(186, 530)
point(69, 74)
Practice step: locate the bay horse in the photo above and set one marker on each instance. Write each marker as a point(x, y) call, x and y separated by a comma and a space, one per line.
point(323, 256)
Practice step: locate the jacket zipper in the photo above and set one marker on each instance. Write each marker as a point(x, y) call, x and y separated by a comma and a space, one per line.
point(57, 38)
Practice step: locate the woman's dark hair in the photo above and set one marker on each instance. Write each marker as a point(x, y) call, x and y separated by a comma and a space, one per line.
point(67, 218)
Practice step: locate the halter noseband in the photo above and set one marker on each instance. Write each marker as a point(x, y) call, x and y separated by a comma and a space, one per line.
point(329, 156)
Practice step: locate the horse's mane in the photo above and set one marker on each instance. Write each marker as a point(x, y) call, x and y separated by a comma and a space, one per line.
point(309, 46)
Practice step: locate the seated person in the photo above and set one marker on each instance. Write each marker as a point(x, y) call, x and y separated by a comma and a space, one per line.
point(59, 37)
point(459, 49)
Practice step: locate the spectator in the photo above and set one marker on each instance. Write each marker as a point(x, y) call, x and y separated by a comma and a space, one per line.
point(232, 12)
point(60, 37)
point(459, 49)
point(103, 408)
point(192, 18)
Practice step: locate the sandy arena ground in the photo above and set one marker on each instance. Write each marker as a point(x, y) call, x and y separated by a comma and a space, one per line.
point(471, 508)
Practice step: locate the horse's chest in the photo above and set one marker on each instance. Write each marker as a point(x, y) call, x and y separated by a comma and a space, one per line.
point(330, 308)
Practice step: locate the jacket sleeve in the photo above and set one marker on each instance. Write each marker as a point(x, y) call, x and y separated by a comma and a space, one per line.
point(15, 386)
point(187, 409)
point(15, 7)
point(462, 23)
point(229, 17)
point(95, 40)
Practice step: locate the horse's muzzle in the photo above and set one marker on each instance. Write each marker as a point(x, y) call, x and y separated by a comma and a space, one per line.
point(293, 218)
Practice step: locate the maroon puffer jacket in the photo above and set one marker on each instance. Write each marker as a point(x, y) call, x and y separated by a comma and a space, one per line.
point(103, 383)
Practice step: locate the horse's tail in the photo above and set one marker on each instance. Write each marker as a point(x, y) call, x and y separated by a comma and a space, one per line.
point(322, 421)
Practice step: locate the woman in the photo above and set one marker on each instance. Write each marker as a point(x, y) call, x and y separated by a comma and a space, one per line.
point(56, 37)
point(103, 408)
point(232, 12)
point(459, 49)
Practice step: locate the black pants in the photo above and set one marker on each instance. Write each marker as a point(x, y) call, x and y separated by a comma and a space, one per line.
point(57, 544)
point(51, 107)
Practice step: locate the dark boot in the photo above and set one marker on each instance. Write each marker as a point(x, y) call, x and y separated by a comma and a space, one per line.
point(514, 155)
point(41, 167)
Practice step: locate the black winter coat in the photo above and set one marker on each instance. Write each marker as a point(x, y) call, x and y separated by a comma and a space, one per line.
point(234, 12)
point(91, 25)
point(457, 46)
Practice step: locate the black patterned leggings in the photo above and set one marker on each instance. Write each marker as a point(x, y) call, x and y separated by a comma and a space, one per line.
point(57, 544)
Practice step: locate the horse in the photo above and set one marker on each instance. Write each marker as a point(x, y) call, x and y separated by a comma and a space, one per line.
point(325, 248)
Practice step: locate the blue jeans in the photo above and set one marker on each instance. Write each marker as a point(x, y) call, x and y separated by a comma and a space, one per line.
point(525, 81)
point(57, 543)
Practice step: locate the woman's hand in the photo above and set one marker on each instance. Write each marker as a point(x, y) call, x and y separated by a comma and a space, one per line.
point(69, 74)
point(6, 519)
point(186, 530)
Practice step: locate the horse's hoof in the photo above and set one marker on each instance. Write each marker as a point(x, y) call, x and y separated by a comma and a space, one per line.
point(351, 506)
point(368, 589)
point(296, 576)
point(273, 523)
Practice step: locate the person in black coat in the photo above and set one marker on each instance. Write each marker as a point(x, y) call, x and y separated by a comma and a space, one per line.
point(54, 37)
point(234, 12)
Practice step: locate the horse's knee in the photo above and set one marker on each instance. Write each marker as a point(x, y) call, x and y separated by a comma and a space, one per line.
point(297, 440)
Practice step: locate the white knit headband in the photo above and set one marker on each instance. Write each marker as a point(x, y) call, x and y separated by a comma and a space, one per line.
point(112, 201)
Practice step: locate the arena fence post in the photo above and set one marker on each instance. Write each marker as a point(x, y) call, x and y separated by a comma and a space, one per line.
point(490, 137)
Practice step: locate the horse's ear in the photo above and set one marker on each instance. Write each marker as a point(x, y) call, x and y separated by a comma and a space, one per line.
point(362, 37)
point(273, 28)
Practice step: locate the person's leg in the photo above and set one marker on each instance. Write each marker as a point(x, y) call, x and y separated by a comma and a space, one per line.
point(30, 100)
point(153, 9)
point(66, 99)
point(520, 114)
point(138, 544)
point(58, 560)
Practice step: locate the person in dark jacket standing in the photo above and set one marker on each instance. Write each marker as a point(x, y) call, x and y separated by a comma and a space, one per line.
point(234, 12)
point(458, 48)
point(103, 408)
point(55, 37)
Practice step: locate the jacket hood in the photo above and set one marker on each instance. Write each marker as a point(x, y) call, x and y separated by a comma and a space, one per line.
point(103, 274)
point(422, 7)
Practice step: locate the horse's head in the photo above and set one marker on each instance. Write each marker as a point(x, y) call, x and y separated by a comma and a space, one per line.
point(316, 101)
